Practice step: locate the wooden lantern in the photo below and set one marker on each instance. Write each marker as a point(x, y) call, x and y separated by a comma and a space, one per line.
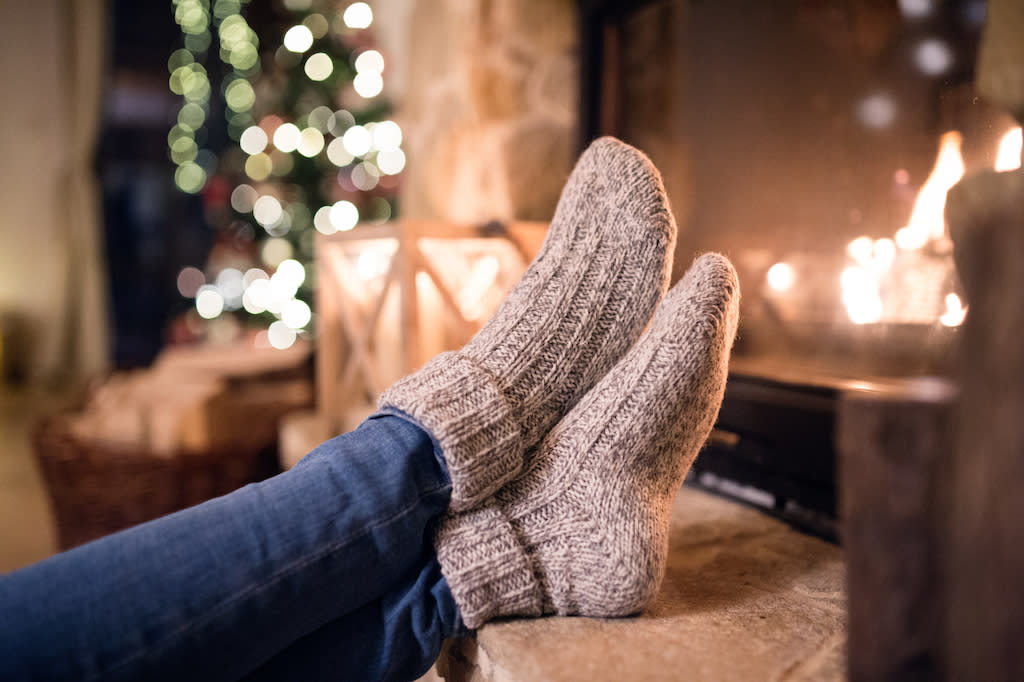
point(391, 296)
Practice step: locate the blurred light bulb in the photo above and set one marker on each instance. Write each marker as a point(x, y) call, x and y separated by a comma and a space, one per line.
point(287, 137)
point(344, 215)
point(357, 140)
point(391, 161)
point(298, 39)
point(253, 140)
point(311, 142)
point(358, 15)
point(370, 61)
point(319, 66)
point(209, 302)
point(368, 84)
point(280, 335)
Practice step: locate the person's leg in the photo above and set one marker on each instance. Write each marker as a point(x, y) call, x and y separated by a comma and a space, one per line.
point(211, 592)
point(396, 637)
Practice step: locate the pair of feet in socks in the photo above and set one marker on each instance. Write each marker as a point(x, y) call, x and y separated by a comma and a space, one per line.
point(569, 422)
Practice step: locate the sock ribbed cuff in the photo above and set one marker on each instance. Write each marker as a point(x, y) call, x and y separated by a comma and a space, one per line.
point(461, 405)
point(486, 566)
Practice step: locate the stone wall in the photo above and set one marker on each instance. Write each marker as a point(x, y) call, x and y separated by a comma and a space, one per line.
point(486, 92)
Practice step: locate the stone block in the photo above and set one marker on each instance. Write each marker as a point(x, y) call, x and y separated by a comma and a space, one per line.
point(744, 598)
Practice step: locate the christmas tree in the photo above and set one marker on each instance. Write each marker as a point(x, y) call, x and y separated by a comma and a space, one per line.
point(311, 149)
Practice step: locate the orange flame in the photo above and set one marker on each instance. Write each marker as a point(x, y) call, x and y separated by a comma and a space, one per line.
point(1008, 156)
point(926, 222)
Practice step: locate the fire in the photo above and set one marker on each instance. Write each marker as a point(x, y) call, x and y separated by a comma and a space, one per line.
point(926, 221)
point(1008, 156)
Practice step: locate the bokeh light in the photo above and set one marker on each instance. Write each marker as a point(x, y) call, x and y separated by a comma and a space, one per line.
point(357, 140)
point(243, 198)
point(358, 15)
point(391, 161)
point(298, 39)
point(337, 154)
point(276, 250)
point(239, 95)
point(209, 302)
point(287, 137)
point(933, 57)
point(259, 166)
point(877, 111)
point(319, 66)
point(190, 280)
point(311, 142)
point(253, 140)
point(344, 215)
point(267, 211)
point(190, 177)
point(368, 84)
point(370, 61)
point(281, 336)
point(781, 277)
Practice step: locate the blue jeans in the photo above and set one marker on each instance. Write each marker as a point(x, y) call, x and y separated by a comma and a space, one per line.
point(326, 571)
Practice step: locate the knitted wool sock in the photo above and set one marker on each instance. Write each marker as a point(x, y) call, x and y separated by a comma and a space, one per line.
point(584, 529)
point(585, 299)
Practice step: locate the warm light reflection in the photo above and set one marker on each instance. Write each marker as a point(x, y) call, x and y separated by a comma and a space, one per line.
point(781, 277)
point(955, 313)
point(1008, 158)
point(372, 263)
point(471, 297)
point(861, 296)
point(926, 221)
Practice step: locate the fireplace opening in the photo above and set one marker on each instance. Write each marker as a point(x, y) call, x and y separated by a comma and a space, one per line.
point(813, 142)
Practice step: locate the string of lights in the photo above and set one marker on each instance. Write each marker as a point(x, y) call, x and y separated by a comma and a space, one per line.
point(317, 151)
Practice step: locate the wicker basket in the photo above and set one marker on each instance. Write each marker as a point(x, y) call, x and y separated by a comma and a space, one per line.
point(97, 489)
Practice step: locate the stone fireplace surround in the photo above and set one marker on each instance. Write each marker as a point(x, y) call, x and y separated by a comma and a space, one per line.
point(461, 169)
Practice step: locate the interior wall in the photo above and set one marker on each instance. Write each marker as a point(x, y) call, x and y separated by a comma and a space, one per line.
point(487, 96)
point(52, 307)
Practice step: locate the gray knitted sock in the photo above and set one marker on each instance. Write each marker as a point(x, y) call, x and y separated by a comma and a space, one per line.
point(585, 299)
point(584, 529)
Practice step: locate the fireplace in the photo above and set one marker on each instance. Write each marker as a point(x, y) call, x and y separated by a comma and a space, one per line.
point(813, 142)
